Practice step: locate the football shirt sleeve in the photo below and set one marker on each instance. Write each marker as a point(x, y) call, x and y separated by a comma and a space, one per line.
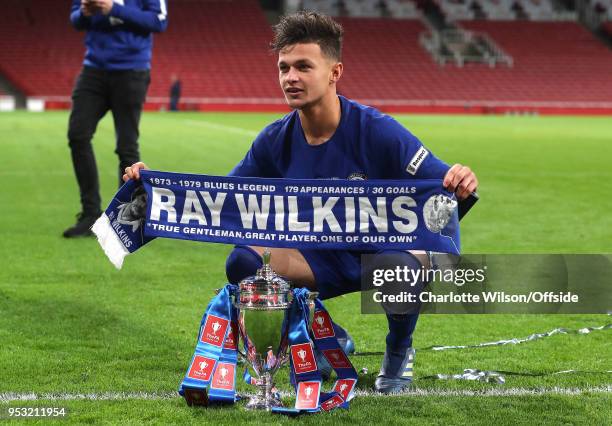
point(404, 154)
point(256, 162)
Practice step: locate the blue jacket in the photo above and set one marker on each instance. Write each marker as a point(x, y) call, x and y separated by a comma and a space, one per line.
point(122, 40)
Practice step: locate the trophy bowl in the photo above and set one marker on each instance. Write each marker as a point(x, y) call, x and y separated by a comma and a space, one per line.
point(263, 301)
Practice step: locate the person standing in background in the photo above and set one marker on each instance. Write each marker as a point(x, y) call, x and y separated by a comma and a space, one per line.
point(115, 77)
point(175, 93)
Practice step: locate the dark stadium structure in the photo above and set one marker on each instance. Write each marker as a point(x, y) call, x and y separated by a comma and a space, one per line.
point(451, 56)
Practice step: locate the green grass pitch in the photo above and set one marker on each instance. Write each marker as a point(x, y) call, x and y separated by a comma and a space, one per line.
point(71, 324)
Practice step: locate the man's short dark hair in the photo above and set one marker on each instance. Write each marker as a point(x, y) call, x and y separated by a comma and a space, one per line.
point(309, 27)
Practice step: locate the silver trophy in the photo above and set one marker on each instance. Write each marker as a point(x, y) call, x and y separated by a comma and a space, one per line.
point(264, 300)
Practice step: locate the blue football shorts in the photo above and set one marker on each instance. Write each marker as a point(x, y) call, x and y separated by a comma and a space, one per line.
point(338, 272)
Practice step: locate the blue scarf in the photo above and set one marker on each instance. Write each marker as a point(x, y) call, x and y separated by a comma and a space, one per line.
point(324, 214)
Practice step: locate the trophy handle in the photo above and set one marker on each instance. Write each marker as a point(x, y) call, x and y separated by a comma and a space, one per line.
point(311, 307)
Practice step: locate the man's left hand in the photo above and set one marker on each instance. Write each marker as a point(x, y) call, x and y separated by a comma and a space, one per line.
point(102, 6)
point(461, 180)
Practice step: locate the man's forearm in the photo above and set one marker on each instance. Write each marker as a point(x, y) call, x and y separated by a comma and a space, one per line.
point(79, 21)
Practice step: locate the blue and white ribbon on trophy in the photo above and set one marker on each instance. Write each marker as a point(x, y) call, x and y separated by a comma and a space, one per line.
point(211, 376)
point(305, 373)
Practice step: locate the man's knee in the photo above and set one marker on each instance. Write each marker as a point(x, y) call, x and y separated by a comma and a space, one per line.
point(398, 277)
point(394, 259)
point(82, 125)
point(242, 262)
point(403, 259)
point(79, 135)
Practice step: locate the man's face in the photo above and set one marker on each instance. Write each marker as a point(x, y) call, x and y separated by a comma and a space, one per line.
point(306, 74)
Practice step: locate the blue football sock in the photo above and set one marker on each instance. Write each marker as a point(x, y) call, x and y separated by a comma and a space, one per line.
point(401, 326)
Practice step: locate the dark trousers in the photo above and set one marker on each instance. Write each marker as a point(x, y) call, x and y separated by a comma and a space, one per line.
point(174, 101)
point(97, 91)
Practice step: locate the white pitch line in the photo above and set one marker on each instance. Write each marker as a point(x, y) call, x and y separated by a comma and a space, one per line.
point(122, 396)
point(495, 392)
point(103, 396)
point(216, 126)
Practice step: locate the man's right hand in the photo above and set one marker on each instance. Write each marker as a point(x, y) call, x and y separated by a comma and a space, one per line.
point(133, 171)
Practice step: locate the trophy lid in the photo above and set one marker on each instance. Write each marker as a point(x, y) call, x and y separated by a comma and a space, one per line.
point(266, 289)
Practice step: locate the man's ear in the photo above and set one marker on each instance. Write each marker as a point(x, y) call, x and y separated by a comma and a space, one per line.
point(336, 72)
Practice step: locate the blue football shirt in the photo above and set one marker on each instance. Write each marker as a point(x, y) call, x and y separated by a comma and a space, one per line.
point(366, 145)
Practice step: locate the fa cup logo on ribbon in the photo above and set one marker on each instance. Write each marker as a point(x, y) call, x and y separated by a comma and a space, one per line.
point(203, 366)
point(320, 320)
point(308, 392)
point(322, 326)
point(302, 354)
point(216, 326)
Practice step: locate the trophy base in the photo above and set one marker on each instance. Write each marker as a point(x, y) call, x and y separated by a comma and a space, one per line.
point(265, 399)
point(259, 403)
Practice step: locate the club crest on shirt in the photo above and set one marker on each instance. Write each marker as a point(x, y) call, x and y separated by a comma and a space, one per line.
point(357, 176)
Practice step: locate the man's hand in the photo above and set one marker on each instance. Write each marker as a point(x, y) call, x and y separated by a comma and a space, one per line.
point(87, 8)
point(102, 6)
point(133, 171)
point(461, 180)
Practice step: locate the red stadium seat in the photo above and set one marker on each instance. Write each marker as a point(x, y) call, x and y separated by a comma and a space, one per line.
point(219, 49)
